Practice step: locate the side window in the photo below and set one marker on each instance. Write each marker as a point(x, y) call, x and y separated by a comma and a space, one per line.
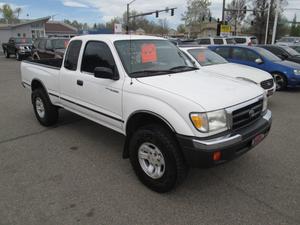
point(251, 55)
point(42, 44)
point(239, 54)
point(97, 54)
point(36, 43)
point(218, 41)
point(71, 58)
point(49, 44)
point(204, 41)
point(224, 52)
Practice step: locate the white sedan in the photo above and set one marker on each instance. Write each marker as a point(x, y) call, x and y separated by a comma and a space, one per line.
point(209, 61)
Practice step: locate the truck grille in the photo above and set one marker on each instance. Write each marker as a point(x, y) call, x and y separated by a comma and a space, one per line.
point(267, 84)
point(246, 115)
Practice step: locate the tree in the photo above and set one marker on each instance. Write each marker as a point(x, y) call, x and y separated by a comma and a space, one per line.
point(295, 29)
point(196, 10)
point(237, 14)
point(10, 15)
point(181, 28)
point(193, 16)
point(260, 18)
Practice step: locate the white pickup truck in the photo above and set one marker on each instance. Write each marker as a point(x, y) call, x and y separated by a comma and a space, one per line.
point(174, 116)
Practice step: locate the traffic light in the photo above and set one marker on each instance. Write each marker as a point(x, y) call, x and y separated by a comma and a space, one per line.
point(252, 23)
point(254, 13)
point(172, 12)
point(156, 14)
point(245, 10)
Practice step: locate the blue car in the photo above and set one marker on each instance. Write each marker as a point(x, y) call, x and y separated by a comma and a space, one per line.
point(285, 73)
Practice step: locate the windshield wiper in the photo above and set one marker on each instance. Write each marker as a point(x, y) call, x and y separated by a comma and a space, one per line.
point(144, 73)
point(184, 68)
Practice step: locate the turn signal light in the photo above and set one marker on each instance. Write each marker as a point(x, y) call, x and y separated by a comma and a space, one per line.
point(197, 121)
point(217, 156)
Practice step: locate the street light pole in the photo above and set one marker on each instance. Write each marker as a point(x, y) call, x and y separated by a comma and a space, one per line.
point(127, 22)
point(275, 21)
point(268, 20)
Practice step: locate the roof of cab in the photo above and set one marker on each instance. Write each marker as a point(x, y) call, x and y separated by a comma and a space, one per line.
point(116, 37)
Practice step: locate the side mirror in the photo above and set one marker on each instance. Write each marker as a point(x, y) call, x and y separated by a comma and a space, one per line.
point(284, 56)
point(105, 73)
point(258, 61)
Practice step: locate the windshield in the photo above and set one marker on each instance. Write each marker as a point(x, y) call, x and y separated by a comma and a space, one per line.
point(23, 40)
point(291, 51)
point(60, 43)
point(142, 58)
point(206, 57)
point(267, 54)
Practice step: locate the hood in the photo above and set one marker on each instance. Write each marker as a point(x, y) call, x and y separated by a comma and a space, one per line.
point(238, 70)
point(210, 91)
point(289, 64)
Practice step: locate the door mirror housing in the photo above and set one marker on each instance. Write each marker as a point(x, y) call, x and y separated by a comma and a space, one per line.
point(259, 61)
point(105, 73)
point(284, 56)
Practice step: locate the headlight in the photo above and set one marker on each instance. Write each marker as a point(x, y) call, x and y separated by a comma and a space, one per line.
point(210, 122)
point(297, 72)
point(21, 48)
point(265, 103)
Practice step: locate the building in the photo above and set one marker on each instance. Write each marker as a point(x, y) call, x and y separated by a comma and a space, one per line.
point(27, 29)
point(60, 29)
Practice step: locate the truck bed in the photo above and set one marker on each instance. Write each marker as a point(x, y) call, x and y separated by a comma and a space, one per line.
point(51, 63)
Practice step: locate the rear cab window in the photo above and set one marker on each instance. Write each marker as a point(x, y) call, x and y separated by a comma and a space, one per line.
point(71, 59)
point(240, 40)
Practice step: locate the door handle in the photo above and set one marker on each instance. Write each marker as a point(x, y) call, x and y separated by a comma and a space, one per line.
point(80, 82)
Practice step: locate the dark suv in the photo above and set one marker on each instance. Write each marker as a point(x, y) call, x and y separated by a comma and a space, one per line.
point(49, 48)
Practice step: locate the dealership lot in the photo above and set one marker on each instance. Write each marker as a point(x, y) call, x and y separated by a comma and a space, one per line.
point(74, 174)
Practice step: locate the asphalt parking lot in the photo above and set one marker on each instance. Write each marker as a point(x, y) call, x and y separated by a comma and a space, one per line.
point(73, 173)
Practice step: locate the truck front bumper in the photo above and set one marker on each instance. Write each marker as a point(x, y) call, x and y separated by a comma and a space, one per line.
point(202, 152)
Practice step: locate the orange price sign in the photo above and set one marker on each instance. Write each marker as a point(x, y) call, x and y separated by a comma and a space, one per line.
point(149, 53)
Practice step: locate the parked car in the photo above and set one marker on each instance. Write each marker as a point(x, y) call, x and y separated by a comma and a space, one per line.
point(295, 47)
point(285, 73)
point(215, 41)
point(47, 48)
point(210, 61)
point(283, 52)
point(245, 40)
point(173, 115)
point(288, 41)
point(20, 47)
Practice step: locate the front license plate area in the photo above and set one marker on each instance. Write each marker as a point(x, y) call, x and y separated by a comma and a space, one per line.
point(257, 139)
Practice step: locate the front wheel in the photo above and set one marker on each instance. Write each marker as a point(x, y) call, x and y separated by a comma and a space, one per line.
point(45, 112)
point(156, 158)
point(281, 81)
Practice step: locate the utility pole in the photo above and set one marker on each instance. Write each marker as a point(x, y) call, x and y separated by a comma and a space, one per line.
point(275, 21)
point(268, 20)
point(223, 12)
point(127, 22)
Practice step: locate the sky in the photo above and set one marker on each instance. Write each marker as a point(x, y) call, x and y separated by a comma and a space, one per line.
point(101, 11)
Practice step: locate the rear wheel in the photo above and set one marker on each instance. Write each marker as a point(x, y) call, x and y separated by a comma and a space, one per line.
point(6, 54)
point(281, 81)
point(156, 158)
point(18, 56)
point(45, 112)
